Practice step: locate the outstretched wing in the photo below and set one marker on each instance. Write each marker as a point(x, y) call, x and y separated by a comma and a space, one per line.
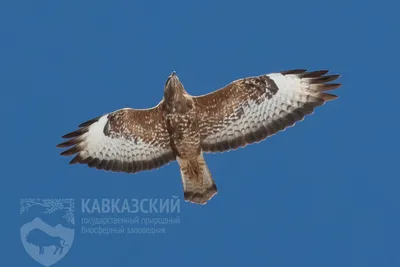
point(250, 109)
point(126, 140)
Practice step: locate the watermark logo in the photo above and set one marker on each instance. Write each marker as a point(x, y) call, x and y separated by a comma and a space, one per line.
point(114, 216)
point(48, 228)
point(48, 225)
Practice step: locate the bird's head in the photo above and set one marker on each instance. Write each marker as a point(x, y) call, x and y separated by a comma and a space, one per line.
point(173, 85)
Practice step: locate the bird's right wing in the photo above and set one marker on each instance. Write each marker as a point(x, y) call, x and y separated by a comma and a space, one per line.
point(127, 140)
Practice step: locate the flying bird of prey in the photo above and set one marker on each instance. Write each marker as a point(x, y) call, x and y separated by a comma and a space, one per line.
point(182, 127)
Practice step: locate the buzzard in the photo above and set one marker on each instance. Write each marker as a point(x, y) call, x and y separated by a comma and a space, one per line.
point(182, 127)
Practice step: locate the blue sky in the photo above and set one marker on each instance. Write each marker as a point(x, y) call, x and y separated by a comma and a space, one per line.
point(323, 193)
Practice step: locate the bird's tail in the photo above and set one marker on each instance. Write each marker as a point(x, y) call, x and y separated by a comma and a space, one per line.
point(198, 184)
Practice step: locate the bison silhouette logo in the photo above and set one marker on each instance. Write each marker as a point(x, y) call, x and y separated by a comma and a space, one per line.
point(48, 229)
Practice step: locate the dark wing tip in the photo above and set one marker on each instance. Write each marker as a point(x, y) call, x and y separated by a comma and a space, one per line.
point(294, 71)
point(69, 143)
point(84, 127)
point(324, 79)
point(329, 86)
point(61, 145)
point(75, 133)
point(303, 73)
point(314, 74)
point(73, 150)
point(320, 82)
point(328, 97)
point(77, 159)
point(74, 136)
point(89, 122)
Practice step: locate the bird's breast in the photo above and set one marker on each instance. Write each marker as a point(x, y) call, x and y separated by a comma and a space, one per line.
point(184, 133)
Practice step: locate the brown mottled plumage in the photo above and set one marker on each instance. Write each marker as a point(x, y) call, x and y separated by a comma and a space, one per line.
point(181, 127)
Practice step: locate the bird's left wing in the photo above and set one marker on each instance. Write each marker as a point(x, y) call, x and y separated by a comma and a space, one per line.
point(250, 109)
point(127, 140)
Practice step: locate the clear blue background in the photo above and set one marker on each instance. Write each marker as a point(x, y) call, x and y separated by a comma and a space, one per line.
point(324, 193)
